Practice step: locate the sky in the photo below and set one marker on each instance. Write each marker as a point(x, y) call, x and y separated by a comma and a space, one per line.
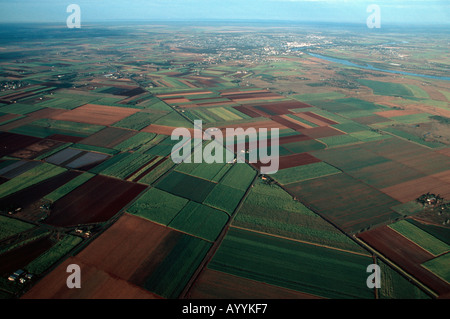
point(408, 12)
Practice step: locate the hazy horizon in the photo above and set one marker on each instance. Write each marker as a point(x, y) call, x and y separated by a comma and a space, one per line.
point(393, 12)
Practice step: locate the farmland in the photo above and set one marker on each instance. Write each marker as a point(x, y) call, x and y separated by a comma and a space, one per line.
point(287, 264)
point(87, 177)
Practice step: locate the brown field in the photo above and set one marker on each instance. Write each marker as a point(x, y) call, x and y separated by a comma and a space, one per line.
point(123, 256)
point(213, 284)
point(405, 254)
point(108, 137)
point(290, 124)
point(161, 96)
point(248, 110)
point(65, 138)
point(31, 117)
point(22, 256)
point(36, 149)
point(294, 160)
point(445, 151)
point(11, 142)
point(97, 200)
point(408, 191)
point(234, 92)
point(8, 117)
point(176, 100)
point(316, 119)
point(96, 114)
point(295, 121)
point(268, 124)
point(162, 129)
point(95, 284)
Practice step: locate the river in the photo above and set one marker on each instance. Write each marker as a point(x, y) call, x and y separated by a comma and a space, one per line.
point(370, 67)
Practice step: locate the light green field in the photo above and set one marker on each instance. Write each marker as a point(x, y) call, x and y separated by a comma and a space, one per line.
point(158, 206)
point(59, 250)
point(68, 187)
point(10, 226)
point(420, 237)
point(200, 221)
point(304, 172)
point(33, 176)
point(293, 265)
point(440, 266)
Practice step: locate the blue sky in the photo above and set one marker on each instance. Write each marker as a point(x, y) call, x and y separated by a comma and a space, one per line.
point(392, 11)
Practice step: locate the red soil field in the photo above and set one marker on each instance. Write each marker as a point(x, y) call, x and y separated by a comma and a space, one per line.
point(8, 117)
point(319, 132)
point(176, 100)
point(181, 93)
point(290, 124)
point(247, 110)
point(96, 114)
point(247, 96)
point(162, 129)
point(120, 258)
point(65, 138)
point(150, 169)
point(36, 149)
point(130, 249)
point(317, 117)
point(95, 201)
point(234, 92)
point(445, 151)
point(22, 256)
point(31, 117)
point(10, 142)
point(268, 124)
point(411, 190)
point(295, 121)
point(405, 254)
point(213, 284)
point(95, 284)
point(293, 160)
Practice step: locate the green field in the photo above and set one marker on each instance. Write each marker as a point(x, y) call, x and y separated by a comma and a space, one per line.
point(158, 206)
point(339, 140)
point(269, 209)
point(420, 237)
point(186, 186)
point(304, 172)
point(395, 286)
point(224, 197)
point(21, 109)
point(56, 252)
point(68, 187)
point(200, 221)
point(293, 265)
point(440, 266)
point(127, 166)
point(139, 120)
point(157, 172)
point(11, 226)
point(171, 276)
point(33, 176)
point(136, 142)
point(387, 88)
point(239, 176)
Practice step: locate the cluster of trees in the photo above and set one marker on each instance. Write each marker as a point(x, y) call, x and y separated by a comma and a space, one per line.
point(430, 199)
